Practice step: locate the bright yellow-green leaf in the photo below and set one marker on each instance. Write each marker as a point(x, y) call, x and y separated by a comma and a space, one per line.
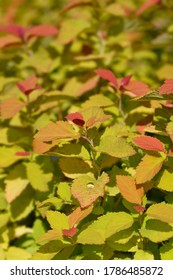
point(166, 251)
point(36, 177)
point(143, 255)
point(161, 211)
point(155, 230)
point(104, 227)
point(97, 100)
point(15, 253)
point(15, 182)
point(70, 29)
point(64, 191)
point(57, 220)
point(149, 166)
point(87, 189)
point(166, 181)
point(115, 146)
point(4, 218)
point(8, 155)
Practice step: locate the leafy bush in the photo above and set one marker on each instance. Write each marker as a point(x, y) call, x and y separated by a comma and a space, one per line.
point(86, 130)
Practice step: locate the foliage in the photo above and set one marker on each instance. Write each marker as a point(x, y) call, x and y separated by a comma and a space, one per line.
point(86, 129)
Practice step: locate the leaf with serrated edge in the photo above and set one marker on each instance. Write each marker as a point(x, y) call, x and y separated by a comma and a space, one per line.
point(115, 146)
point(166, 181)
point(78, 215)
point(161, 211)
point(36, 177)
point(87, 189)
point(58, 130)
point(148, 168)
point(149, 143)
point(104, 227)
point(57, 220)
point(129, 189)
point(10, 107)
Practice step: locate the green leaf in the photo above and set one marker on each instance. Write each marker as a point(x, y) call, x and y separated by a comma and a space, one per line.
point(87, 189)
point(143, 255)
point(15, 182)
point(64, 191)
point(23, 205)
point(115, 146)
point(4, 218)
point(57, 220)
point(99, 99)
point(155, 230)
point(3, 202)
point(161, 211)
point(15, 253)
point(8, 155)
point(49, 250)
point(74, 167)
point(148, 168)
point(166, 181)
point(37, 177)
point(166, 251)
point(104, 227)
point(72, 150)
point(70, 29)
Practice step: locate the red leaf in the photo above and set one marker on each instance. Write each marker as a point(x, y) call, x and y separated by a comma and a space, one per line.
point(149, 143)
point(43, 30)
point(69, 232)
point(137, 88)
point(74, 3)
point(139, 208)
point(28, 85)
point(167, 87)
point(14, 29)
point(23, 154)
point(108, 75)
point(76, 118)
point(90, 84)
point(146, 5)
point(125, 80)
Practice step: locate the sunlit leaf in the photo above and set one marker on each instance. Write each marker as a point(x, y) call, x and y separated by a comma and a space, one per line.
point(78, 215)
point(87, 189)
point(149, 166)
point(129, 190)
point(146, 5)
point(104, 227)
point(28, 85)
point(10, 107)
point(161, 211)
point(115, 146)
point(42, 30)
point(58, 130)
point(137, 88)
point(166, 181)
point(149, 143)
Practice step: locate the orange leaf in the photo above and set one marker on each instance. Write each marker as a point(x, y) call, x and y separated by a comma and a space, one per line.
point(10, 107)
point(78, 215)
point(28, 85)
point(58, 130)
point(40, 147)
point(149, 143)
point(9, 40)
point(129, 190)
point(148, 168)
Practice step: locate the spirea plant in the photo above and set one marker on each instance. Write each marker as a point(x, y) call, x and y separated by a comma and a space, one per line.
point(86, 133)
